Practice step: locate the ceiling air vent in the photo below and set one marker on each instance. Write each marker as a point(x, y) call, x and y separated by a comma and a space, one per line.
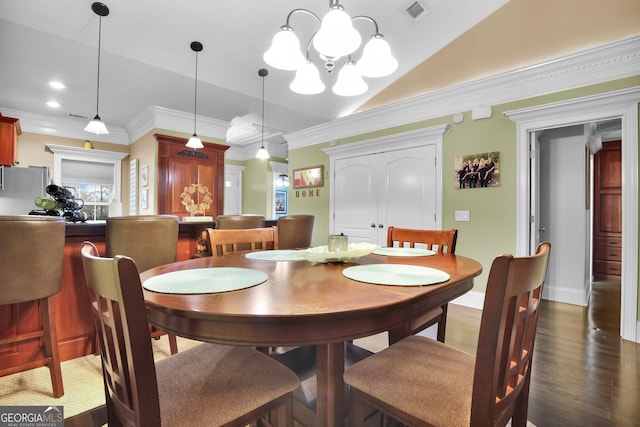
point(77, 116)
point(416, 10)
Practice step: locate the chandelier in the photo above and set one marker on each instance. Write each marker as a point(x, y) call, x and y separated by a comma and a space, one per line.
point(336, 39)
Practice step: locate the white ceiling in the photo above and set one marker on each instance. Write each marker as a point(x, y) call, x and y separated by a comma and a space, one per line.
point(147, 60)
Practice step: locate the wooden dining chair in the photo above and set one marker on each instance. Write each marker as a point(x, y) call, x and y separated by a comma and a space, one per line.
point(441, 241)
point(31, 266)
point(223, 242)
point(151, 240)
point(210, 384)
point(422, 382)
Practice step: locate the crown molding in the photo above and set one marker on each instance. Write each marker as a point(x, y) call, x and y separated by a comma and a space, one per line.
point(597, 65)
point(154, 117)
point(65, 127)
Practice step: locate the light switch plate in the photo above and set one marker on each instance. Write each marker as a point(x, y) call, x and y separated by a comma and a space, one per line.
point(462, 215)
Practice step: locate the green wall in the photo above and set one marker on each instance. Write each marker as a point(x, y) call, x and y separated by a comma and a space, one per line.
point(491, 230)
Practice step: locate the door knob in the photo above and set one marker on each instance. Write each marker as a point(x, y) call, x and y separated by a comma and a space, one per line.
point(373, 225)
point(380, 226)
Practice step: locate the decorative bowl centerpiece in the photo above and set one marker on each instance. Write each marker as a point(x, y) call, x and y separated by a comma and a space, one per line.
point(320, 254)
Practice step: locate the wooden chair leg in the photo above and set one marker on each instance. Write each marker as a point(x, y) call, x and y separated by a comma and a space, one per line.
point(48, 319)
point(173, 343)
point(357, 409)
point(442, 324)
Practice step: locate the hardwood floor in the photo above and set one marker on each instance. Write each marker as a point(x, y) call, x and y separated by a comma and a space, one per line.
point(583, 373)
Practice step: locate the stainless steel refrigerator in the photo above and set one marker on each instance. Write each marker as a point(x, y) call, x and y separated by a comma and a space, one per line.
point(19, 187)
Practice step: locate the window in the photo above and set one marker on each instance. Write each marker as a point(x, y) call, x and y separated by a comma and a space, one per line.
point(95, 175)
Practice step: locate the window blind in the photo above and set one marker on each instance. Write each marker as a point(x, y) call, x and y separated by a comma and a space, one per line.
point(74, 171)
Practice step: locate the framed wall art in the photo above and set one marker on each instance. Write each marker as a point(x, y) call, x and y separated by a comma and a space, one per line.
point(281, 202)
point(477, 170)
point(309, 177)
point(144, 176)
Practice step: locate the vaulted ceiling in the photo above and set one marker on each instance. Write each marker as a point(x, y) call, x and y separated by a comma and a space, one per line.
point(147, 61)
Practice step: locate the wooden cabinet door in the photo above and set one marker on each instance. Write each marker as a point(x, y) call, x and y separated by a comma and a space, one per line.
point(9, 131)
point(607, 215)
point(179, 167)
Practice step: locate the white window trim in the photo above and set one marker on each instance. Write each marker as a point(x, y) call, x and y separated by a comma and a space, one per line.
point(61, 152)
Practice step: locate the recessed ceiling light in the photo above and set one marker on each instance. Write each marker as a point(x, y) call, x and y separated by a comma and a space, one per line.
point(53, 104)
point(57, 85)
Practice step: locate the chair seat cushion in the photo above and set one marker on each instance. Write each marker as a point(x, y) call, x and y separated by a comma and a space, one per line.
point(427, 365)
point(213, 384)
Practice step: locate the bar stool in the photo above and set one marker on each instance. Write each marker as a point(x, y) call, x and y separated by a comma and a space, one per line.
point(239, 221)
point(31, 266)
point(295, 231)
point(151, 240)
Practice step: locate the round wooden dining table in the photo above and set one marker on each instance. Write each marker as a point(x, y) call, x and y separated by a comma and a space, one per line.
point(305, 303)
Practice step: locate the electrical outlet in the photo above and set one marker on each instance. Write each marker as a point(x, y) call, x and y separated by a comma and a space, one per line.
point(462, 216)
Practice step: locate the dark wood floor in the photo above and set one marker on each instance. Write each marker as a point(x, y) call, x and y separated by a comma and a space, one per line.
point(583, 373)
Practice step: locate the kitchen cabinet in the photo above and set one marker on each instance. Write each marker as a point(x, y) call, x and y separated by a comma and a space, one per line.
point(9, 131)
point(607, 215)
point(180, 166)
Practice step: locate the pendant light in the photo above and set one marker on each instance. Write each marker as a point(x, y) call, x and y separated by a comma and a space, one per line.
point(262, 152)
point(195, 142)
point(96, 125)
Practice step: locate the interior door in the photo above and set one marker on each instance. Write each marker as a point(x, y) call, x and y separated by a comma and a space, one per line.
point(535, 226)
point(377, 190)
point(356, 198)
point(407, 182)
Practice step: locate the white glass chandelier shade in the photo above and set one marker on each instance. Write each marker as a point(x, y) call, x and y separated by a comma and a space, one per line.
point(336, 37)
point(377, 60)
point(194, 142)
point(96, 126)
point(350, 82)
point(284, 52)
point(307, 81)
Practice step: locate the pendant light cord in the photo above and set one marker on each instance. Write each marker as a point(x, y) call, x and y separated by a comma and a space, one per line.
point(262, 127)
point(99, 46)
point(195, 98)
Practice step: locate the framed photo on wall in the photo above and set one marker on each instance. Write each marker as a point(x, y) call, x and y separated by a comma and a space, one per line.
point(144, 176)
point(480, 170)
point(309, 177)
point(281, 202)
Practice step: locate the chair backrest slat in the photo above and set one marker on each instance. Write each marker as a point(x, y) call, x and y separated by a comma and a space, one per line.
point(125, 343)
point(441, 241)
point(223, 242)
point(507, 336)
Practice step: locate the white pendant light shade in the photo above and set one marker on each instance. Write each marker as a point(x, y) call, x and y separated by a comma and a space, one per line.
point(194, 142)
point(350, 82)
point(307, 81)
point(96, 126)
point(284, 53)
point(262, 153)
point(377, 60)
point(336, 37)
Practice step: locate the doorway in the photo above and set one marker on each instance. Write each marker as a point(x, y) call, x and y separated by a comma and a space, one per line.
point(622, 104)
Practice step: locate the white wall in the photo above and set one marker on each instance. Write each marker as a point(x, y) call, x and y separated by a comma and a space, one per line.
point(564, 215)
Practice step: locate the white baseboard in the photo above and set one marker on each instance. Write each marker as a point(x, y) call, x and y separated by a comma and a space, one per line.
point(472, 299)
